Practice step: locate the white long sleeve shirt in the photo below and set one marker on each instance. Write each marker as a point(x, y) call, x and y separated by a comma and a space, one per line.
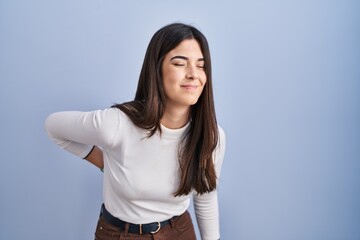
point(140, 173)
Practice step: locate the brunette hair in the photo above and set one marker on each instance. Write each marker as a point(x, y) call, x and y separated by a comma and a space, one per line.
point(196, 149)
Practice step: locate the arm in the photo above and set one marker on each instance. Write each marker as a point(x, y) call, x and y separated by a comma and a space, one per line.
point(206, 205)
point(78, 132)
point(96, 157)
point(207, 215)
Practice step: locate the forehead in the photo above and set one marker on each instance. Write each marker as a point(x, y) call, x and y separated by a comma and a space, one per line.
point(189, 48)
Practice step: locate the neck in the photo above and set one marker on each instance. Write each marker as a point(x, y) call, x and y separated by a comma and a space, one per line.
point(175, 118)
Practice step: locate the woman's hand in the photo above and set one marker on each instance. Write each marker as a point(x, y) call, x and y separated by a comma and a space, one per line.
point(96, 157)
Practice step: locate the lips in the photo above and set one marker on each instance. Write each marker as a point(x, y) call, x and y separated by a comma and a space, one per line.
point(189, 86)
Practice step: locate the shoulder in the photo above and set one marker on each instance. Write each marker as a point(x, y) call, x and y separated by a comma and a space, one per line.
point(122, 121)
point(222, 136)
point(219, 151)
point(221, 144)
point(111, 114)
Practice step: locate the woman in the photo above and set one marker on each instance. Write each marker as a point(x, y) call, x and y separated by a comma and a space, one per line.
point(157, 150)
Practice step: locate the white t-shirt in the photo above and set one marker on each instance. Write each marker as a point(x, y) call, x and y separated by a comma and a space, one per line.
point(141, 174)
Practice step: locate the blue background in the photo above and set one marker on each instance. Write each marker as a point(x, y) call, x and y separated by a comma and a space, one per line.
point(287, 89)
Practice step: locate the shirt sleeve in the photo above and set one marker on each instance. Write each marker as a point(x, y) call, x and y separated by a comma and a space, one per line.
point(77, 132)
point(206, 205)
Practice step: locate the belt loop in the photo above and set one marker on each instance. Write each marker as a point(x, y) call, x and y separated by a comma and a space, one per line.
point(172, 222)
point(126, 230)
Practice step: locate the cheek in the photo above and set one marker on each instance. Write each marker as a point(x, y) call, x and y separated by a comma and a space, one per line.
point(171, 79)
point(203, 79)
point(203, 83)
point(169, 83)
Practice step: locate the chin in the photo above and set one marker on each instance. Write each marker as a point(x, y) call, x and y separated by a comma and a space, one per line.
point(187, 101)
point(192, 102)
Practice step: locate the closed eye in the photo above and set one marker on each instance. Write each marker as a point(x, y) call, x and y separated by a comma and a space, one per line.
point(179, 64)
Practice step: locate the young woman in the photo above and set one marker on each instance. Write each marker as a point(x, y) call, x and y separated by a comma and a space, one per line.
point(157, 150)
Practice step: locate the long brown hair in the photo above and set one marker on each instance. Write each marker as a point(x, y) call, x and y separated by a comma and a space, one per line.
point(196, 149)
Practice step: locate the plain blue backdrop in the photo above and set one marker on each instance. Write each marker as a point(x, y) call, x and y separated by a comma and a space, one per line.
point(287, 89)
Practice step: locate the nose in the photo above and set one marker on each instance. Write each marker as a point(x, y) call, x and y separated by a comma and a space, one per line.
point(192, 73)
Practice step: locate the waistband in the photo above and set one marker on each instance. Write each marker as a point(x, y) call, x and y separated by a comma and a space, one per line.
point(134, 228)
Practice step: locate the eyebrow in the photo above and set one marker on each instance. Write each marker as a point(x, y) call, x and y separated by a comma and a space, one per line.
point(186, 58)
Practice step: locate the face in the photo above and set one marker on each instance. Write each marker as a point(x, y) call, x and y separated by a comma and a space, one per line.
point(183, 74)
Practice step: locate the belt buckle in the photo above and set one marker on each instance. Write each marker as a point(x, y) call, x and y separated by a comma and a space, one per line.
point(158, 229)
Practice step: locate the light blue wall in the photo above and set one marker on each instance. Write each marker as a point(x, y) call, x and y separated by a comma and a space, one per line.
point(287, 88)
